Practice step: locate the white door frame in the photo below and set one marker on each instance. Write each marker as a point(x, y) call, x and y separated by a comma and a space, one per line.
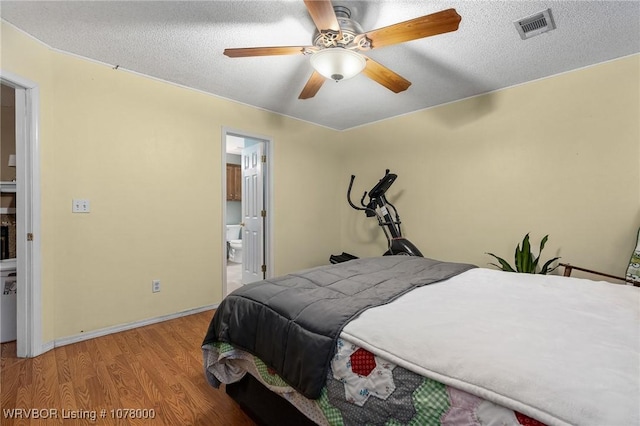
point(29, 299)
point(268, 226)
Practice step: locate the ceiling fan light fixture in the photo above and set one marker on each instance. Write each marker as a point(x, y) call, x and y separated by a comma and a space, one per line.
point(338, 63)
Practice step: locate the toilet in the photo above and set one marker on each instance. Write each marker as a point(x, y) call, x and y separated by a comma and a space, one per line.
point(234, 243)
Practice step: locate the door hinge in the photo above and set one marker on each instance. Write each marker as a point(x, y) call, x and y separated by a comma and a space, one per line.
point(263, 213)
point(29, 236)
point(264, 158)
point(264, 268)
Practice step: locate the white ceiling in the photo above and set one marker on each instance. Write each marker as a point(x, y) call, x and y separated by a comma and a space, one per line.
point(182, 42)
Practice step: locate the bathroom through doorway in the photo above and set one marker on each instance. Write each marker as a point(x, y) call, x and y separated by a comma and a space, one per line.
point(247, 192)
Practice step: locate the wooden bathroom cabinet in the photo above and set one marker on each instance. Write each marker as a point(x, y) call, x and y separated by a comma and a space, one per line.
point(234, 182)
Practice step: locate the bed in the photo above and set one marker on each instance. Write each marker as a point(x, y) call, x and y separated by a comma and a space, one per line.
point(408, 340)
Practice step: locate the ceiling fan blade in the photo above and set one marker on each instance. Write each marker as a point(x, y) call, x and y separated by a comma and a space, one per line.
point(383, 75)
point(264, 51)
point(312, 86)
point(322, 13)
point(437, 23)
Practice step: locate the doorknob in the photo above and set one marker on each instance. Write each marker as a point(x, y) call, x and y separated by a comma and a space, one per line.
point(241, 223)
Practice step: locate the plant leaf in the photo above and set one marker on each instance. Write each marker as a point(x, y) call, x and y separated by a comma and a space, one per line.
point(504, 263)
point(542, 243)
point(526, 255)
point(537, 259)
point(545, 268)
point(534, 265)
point(553, 269)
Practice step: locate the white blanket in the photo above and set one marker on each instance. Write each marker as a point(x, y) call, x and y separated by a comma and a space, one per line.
point(560, 350)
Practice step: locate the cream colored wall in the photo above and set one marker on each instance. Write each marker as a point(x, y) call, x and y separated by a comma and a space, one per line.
point(557, 156)
point(147, 155)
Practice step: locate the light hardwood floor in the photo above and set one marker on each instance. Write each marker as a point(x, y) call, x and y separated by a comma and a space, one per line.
point(156, 367)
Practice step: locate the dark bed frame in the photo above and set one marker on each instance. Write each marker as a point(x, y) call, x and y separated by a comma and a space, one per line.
point(266, 408)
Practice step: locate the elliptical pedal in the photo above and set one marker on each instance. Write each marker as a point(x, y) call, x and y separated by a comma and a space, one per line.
point(340, 258)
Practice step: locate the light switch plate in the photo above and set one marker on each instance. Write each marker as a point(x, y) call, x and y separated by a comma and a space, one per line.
point(80, 206)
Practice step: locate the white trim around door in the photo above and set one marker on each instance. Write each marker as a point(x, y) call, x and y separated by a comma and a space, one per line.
point(269, 204)
point(29, 294)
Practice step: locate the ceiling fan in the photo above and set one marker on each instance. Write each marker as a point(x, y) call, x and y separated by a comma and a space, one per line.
point(338, 41)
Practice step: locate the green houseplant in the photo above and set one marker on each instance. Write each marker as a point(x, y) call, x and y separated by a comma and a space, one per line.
point(525, 261)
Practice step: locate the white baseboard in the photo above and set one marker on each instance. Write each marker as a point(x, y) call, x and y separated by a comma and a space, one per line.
point(122, 327)
point(46, 347)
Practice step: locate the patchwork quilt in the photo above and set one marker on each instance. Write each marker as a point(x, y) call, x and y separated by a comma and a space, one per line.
point(633, 271)
point(363, 388)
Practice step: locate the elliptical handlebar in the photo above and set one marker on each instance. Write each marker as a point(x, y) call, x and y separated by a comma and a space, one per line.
point(383, 185)
point(368, 210)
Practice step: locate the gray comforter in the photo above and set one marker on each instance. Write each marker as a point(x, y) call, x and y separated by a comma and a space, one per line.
point(292, 322)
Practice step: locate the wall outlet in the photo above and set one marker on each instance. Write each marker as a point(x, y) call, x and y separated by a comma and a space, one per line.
point(155, 286)
point(80, 206)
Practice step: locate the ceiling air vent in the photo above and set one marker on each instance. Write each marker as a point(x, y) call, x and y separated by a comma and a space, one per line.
point(536, 24)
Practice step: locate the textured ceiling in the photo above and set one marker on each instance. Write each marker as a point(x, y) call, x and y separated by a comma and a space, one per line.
point(182, 42)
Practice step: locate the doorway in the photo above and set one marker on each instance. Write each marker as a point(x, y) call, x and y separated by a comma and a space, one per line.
point(247, 213)
point(27, 212)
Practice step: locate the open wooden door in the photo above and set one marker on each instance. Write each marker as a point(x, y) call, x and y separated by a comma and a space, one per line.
point(253, 213)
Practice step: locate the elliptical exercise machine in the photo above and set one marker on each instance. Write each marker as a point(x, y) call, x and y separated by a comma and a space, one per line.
point(388, 220)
